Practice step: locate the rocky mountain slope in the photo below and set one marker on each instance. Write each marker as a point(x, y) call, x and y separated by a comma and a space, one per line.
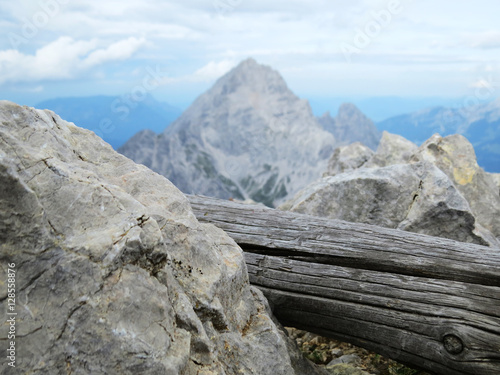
point(480, 124)
point(113, 273)
point(350, 126)
point(115, 119)
point(436, 189)
point(249, 136)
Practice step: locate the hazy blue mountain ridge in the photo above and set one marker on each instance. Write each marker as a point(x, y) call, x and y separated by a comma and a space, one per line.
point(479, 124)
point(115, 119)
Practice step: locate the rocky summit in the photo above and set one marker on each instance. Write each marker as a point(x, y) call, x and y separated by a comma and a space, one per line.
point(350, 126)
point(436, 189)
point(113, 273)
point(248, 137)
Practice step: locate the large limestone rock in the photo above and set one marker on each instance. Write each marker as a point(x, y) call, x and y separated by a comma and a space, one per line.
point(392, 149)
point(438, 190)
point(415, 197)
point(346, 158)
point(114, 275)
point(371, 196)
point(455, 156)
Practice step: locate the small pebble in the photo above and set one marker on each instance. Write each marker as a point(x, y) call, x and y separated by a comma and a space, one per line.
point(350, 359)
point(336, 352)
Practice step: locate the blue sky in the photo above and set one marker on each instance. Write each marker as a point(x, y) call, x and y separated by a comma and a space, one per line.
point(356, 48)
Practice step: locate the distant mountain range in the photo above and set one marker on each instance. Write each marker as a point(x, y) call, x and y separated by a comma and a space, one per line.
point(250, 137)
point(480, 124)
point(379, 108)
point(115, 119)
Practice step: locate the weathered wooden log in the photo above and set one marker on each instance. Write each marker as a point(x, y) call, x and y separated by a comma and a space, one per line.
point(427, 302)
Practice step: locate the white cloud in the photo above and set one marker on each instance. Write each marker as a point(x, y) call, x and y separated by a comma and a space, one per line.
point(64, 58)
point(208, 73)
point(35, 89)
point(486, 40)
point(195, 45)
point(121, 50)
point(212, 71)
point(488, 82)
point(29, 89)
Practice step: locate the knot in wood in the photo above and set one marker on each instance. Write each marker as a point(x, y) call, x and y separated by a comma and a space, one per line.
point(453, 344)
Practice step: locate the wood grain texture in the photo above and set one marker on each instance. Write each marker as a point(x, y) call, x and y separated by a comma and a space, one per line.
point(428, 302)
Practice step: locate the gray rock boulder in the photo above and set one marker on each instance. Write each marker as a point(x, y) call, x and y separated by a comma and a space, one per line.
point(439, 209)
point(347, 158)
point(416, 197)
point(360, 196)
point(114, 275)
point(455, 156)
point(392, 149)
point(436, 189)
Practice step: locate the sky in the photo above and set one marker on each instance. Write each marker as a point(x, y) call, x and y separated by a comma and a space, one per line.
point(325, 50)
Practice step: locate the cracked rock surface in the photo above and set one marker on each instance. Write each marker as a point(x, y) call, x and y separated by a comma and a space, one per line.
point(114, 275)
point(436, 189)
point(455, 156)
point(346, 158)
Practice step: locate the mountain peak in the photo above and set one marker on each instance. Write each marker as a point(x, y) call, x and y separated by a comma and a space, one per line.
point(349, 110)
point(251, 75)
point(249, 136)
point(351, 125)
point(326, 115)
point(249, 62)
